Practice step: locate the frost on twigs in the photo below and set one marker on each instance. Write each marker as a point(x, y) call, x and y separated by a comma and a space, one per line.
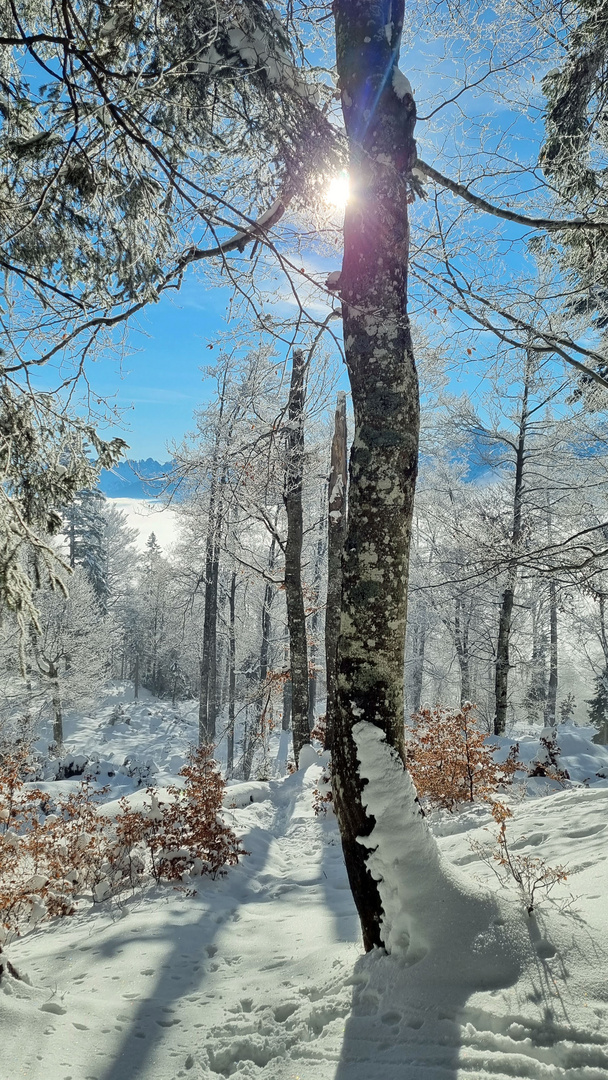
point(451, 761)
point(530, 873)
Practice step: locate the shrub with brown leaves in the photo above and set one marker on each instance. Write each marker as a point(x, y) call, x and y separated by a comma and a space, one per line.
point(530, 873)
point(185, 834)
point(450, 759)
point(47, 859)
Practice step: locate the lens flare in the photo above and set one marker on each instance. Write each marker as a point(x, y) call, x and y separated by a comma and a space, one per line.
point(338, 191)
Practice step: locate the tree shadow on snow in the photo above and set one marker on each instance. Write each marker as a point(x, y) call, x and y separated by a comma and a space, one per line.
point(190, 959)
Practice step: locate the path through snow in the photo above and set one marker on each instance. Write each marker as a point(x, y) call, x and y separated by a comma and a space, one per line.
point(261, 976)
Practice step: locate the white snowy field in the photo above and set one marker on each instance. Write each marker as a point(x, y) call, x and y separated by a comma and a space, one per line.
point(147, 516)
point(261, 975)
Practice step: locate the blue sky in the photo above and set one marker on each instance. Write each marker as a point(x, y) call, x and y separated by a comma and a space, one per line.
point(161, 381)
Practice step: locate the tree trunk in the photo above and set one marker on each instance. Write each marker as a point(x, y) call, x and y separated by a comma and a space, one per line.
point(255, 733)
point(501, 682)
point(336, 532)
point(551, 711)
point(207, 710)
point(231, 673)
point(57, 709)
point(461, 641)
point(286, 723)
point(379, 114)
point(296, 617)
point(418, 647)
point(136, 678)
point(314, 624)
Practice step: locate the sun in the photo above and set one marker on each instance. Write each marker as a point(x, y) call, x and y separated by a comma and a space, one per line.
point(338, 191)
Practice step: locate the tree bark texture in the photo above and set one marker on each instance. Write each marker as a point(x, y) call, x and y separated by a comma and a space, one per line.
point(296, 616)
point(336, 533)
point(379, 116)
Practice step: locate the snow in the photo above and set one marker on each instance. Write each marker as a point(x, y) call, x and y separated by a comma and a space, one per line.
point(261, 976)
point(148, 516)
point(401, 84)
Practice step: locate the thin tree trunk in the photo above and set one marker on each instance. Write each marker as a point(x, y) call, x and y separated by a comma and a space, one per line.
point(136, 677)
point(286, 723)
point(461, 641)
point(336, 532)
point(501, 681)
point(314, 622)
point(231, 673)
point(57, 710)
point(255, 732)
point(207, 711)
point(296, 617)
point(418, 649)
point(379, 115)
point(551, 712)
point(207, 708)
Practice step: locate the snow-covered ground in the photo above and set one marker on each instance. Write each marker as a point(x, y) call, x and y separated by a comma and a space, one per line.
point(261, 975)
point(147, 516)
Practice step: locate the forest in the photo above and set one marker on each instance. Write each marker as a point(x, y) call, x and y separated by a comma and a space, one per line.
point(365, 671)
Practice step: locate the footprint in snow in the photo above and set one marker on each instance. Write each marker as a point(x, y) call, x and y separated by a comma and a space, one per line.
point(576, 834)
point(391, 1018)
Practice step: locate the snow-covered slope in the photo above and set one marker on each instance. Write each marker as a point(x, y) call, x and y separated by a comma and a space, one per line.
point(261, 976)
point(148, 516)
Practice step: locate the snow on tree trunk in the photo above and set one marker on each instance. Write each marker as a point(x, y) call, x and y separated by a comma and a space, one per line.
point(430, 911)
point(379, 115)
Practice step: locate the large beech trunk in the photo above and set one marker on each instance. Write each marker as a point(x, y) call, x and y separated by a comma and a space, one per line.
point(336, 532)
point(296, 616)
point(379, 115)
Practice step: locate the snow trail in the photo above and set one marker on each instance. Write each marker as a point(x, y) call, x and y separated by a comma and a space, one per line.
point(261, 976)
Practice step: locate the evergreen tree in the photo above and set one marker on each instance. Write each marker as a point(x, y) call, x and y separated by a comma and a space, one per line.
point(84, 528)
point(574, 154)
point(598, 708)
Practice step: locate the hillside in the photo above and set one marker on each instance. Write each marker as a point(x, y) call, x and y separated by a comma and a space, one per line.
point(259, 975)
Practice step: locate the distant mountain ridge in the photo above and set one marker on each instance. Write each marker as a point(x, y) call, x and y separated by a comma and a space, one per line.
point(130, 479)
